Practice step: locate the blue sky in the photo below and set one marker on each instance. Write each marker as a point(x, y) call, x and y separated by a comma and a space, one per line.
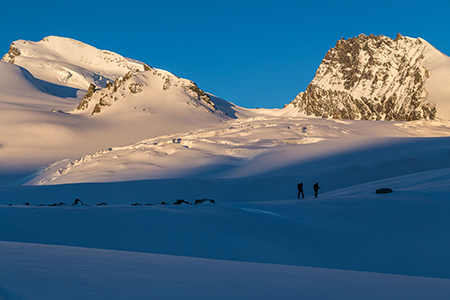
point(252, 53)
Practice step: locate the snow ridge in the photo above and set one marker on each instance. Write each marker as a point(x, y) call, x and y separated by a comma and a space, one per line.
point(69, 62)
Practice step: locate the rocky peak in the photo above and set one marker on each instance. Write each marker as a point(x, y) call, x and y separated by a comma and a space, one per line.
point(12, 54)
point(370, 78)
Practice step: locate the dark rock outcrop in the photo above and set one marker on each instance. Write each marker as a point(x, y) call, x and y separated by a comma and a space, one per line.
point(77, 202)
point(384, 191)
point(203, 200)
point(12, 54)
point(57, 204)
point(180, 201)
point(199, 94)
point(84, 103)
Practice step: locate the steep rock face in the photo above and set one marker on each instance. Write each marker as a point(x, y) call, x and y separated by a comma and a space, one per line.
point(370, 78)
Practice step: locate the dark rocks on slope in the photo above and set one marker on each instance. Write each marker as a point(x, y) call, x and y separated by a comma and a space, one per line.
point(12, 54)
point(84, 103)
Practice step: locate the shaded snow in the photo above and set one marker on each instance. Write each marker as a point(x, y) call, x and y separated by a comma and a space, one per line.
point(254, 249)
point(55, 272)
point(257, 242)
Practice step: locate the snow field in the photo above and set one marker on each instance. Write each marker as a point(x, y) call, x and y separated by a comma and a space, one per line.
point(357, 244)
point(338, 154)
point(56, 272)
point(258, 241)
point(355, 229)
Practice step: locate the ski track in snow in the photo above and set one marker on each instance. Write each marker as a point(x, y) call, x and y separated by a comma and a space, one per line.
point(259, 211)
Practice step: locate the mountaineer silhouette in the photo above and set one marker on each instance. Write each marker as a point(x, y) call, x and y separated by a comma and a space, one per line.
point(300, 190)
point(316, 189)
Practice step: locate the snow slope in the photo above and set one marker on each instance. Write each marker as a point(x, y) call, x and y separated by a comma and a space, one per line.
point(38, 116)
point(438, 85)
point(382, 237)
point(336, 152)
point(68, 62)
point(55, 272)
point(164, 139)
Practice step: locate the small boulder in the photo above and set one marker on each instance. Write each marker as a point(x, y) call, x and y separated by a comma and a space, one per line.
point(203, 200)
point(180, 201)
point(57, 204)
point(77, 202)
point(384, 191)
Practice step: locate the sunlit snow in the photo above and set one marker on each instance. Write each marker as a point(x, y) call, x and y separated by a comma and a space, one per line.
point(257, 240)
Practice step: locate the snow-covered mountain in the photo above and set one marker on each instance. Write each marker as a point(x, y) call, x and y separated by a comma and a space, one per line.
point(68, 62)
point(126, 139)
point(378, 78)
point(69, 101)
point(52, 93)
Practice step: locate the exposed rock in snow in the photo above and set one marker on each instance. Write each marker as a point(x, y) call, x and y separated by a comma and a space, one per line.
point(371, 78)
point(12, 53)
point(147, 83)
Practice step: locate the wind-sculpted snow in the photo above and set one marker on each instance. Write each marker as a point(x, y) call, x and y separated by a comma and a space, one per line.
point(376, 78)
point(255, 146)
point(177, 155)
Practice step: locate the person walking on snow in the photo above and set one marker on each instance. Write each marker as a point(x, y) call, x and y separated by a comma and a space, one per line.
point(316, 189)
point(300, 190)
